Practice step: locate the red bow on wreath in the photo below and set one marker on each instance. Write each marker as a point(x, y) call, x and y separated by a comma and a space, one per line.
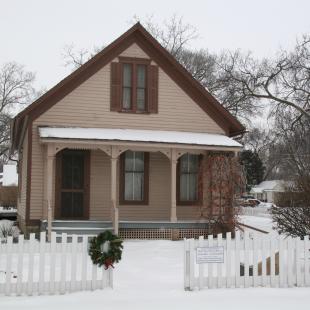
point(108, 263)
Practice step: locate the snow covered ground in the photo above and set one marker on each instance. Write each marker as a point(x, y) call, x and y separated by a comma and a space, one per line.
point(8, 210)
point(150, 276)
point(263, 223)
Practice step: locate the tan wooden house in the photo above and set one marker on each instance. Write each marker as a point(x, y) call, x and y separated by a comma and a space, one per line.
point(117, 144)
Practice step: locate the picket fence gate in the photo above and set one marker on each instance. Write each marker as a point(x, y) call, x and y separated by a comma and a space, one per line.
point(39, 267)
point(249, 260)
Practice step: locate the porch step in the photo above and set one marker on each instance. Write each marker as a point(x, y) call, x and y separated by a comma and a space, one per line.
point(80, 230)
point(81, 227)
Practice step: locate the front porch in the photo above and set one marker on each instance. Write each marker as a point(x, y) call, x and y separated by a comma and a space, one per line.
point(132, 229)
point(160, 216)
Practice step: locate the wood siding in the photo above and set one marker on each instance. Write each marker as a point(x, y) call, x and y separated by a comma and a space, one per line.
point(100, 186)
point(89, 106)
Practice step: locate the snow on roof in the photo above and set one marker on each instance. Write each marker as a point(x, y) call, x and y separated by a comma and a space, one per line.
point(9, 176)
point(272, 185)
point(256, 190)
point(158, 136)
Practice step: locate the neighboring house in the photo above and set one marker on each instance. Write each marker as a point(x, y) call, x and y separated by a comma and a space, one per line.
point(8, 175)
point(118, 143)
point(268, 190)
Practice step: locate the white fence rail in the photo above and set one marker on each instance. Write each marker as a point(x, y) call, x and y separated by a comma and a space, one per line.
point(39, 267)
point(255, 211)
point(263, 260)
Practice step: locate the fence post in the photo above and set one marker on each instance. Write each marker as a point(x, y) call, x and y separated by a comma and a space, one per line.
point(186, 264)
point(306, 255)
point(201, 266)
point(290, 261)
point(8, 276)
point(210, 265)
point(264, 260)
point(246, 258)
point(281, 262)
point(94, 277)
point(272, 261)
point(297, 264)
point(110, 275)
point(63, 267)
point(219, 265)
point(255, 260)
point(53, 262)
point(42, 262)
point(73, 263)
point(228, 260)
point(237, 259)
point(84, 262)
point(31, 263)
point(191, 264)
point(20, 264)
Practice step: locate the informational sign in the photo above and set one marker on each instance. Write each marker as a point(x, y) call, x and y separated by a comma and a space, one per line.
point(213, 254)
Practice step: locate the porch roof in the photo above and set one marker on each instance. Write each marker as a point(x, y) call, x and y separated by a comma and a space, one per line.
point(153, 136)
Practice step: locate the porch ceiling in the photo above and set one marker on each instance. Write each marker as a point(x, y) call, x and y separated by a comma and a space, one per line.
point(134, 135)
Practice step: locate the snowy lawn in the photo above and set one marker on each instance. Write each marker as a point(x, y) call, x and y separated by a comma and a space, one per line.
point(264, 223)
point(150, 276)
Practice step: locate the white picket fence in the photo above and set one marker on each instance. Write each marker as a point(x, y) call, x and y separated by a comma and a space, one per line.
point(255, 211)
point(39, 267)
point(262, 260)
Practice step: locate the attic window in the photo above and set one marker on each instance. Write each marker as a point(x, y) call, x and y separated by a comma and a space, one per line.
point(134, 86)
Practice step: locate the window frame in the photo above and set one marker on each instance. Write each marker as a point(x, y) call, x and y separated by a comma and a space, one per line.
point(198, 201)
point(134, 62)
point(145, 200)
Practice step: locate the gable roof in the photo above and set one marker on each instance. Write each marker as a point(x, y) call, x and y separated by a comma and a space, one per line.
point(139, 35)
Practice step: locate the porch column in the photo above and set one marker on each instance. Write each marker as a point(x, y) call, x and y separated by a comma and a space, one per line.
point(173, 171)
point(114, 158)
point(50, 159)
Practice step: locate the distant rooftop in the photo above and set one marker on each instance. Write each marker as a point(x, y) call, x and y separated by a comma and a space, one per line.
point(9, 175)
point(271, 185)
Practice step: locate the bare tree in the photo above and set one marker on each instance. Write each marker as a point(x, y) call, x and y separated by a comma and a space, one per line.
point(177, 36)
point(16, 90)
point(174, 35)
point(75, 58)
point(292, 213)
point(284, 82)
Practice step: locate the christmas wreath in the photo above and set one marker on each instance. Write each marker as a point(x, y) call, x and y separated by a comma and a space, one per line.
point(105, 249)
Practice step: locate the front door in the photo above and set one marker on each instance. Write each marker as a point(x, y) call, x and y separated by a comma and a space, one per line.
point(72, 184)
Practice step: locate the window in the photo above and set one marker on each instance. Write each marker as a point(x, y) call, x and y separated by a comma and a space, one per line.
point(134, 85)
point(127, 86)
point(134, 178)
point(189, 179)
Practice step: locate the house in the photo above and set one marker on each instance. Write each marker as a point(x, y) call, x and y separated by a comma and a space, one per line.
point(118, 144)
point(8, 175)
point(268, 190)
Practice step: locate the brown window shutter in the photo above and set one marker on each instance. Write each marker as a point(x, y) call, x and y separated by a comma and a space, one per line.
point(153, 89)
point(116, 87)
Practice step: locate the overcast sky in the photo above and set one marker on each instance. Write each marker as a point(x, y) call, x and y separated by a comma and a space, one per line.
point(34, 32)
